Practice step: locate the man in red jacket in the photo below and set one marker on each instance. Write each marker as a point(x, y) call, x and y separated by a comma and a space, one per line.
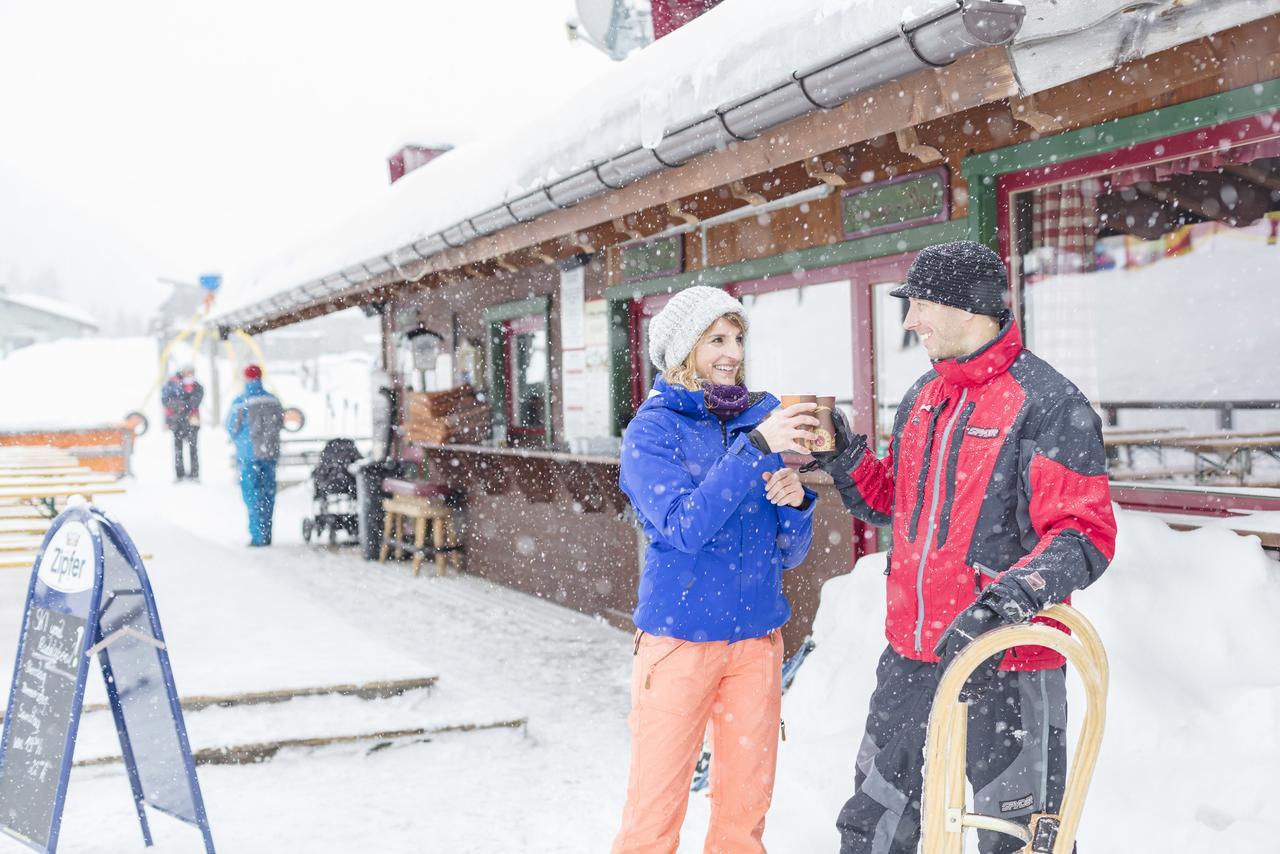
point(995, 485)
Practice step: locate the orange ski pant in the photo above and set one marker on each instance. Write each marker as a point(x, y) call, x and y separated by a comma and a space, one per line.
point(677, 686)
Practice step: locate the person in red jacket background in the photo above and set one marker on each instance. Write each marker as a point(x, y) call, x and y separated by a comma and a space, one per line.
point(181, 397)
point(996, 488)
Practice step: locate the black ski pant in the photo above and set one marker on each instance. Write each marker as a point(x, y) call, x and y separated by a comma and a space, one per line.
point(186, 438)
point(1017, 755)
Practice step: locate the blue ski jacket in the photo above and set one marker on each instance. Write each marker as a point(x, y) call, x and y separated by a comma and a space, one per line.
point(717, 546)
point(238, 420)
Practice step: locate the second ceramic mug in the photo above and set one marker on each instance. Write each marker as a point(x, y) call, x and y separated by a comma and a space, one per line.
point(824, 436)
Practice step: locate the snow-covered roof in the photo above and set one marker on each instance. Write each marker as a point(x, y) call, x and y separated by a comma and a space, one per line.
point(49, 305)
point(738, 52)
point(734, 52)
point(1060, 42)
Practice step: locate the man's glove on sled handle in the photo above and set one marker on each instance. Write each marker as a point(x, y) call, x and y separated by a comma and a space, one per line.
point(1004, 603)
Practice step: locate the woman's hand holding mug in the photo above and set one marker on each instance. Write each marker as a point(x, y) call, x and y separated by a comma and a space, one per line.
point(788, 426)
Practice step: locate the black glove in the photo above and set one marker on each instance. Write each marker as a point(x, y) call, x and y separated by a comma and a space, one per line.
point(1004, 603)
point(975, 620)
point(845, 438)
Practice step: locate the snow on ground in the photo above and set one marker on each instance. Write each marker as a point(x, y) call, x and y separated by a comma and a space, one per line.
point(1188, 619)
point(1193, 716)
point(238, 619)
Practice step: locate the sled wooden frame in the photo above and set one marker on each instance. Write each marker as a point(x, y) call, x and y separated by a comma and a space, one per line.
point(944, 818)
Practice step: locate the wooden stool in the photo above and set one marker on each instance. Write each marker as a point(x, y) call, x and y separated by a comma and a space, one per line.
point(425, 513)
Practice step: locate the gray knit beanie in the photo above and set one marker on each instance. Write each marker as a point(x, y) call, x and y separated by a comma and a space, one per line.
point(675, 331)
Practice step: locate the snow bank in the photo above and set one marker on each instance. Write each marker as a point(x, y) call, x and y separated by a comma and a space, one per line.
point(1189, 624)
point(76, 382)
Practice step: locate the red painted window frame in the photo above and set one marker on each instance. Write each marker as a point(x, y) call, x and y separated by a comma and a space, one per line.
point(637, 310)
point(862, 275)
point(1256, 128)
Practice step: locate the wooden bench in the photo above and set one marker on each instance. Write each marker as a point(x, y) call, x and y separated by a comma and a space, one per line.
point(426, 513)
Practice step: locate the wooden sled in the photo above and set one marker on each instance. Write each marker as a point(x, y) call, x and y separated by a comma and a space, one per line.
point(944, 819)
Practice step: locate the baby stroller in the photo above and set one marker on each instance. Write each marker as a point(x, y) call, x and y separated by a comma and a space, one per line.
point(334, 492)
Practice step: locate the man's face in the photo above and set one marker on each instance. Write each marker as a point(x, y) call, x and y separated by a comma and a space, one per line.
point(943, 330)
point(188, 376)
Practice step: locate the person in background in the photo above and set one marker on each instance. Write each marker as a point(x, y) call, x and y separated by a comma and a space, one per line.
point(181, 397)
point(724, 517)
point(254, 423)
point(995, 487)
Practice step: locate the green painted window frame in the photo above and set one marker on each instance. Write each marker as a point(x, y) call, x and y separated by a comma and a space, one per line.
point(494, 317)
point(982, 170)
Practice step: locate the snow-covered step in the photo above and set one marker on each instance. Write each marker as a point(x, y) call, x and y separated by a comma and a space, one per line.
point(253, 732)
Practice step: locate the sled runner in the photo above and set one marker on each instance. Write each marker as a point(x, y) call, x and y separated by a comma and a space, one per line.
point(944, 818)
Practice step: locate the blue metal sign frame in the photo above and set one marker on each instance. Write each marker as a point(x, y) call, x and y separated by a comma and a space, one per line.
point(51, 591)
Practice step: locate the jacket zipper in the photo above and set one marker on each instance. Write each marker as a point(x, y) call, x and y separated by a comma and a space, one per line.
point(933, 514)
point(925, 467)
point(1044, 742)
point(980, 570)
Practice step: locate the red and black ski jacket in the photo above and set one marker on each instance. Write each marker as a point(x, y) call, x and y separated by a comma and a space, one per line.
point(996, 465)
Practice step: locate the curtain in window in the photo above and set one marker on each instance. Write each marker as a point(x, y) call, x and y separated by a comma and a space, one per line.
point(1064, 227)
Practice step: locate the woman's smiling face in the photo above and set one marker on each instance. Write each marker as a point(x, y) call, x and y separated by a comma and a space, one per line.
point(718, 356)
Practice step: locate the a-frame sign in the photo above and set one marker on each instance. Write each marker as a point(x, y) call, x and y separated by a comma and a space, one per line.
point(89, 594)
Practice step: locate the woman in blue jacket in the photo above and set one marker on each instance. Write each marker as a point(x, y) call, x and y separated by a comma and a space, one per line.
point(724, 517)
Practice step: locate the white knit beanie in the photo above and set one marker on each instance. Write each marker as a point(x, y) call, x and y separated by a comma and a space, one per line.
point(675, 331)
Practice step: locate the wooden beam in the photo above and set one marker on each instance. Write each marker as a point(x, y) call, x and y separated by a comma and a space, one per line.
point(739, 191)
point(910, 145)
point(813, 167)
point(620, 225)
point(1024, 109)
point(679, 215)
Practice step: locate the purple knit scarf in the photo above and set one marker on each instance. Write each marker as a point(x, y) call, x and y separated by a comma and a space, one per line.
point(725, 401)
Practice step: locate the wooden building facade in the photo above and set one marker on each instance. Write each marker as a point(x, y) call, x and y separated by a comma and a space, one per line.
point(1137, 209)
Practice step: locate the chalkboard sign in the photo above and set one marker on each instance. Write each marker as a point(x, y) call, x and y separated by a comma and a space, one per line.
point(41, 729)
point(89, 593)
point(48, 684)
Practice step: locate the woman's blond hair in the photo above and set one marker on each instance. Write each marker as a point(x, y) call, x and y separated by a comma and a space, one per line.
point(687, 375)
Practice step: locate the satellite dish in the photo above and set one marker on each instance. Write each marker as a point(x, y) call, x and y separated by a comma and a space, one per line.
point(596, 17)
point(616, 27)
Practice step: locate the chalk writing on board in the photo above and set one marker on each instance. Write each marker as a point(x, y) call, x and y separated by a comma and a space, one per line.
point(46, 684)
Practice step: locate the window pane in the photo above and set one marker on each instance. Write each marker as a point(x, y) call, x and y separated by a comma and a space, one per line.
point(900, 357)
point(528, 373)
point(1154, 290)
point(801, 342)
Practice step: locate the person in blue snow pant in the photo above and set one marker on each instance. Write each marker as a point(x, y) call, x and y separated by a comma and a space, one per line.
point(254, 423)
